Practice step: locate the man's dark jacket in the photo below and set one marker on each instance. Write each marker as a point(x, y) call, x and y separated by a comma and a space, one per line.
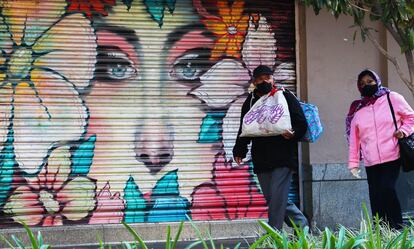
point(272, 152)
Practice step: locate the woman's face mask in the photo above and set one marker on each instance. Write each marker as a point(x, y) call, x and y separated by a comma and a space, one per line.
point(264, 87)
point(368, 86)
point(369, 90)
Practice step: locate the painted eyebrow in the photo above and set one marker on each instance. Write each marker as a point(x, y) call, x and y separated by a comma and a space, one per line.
point(174, 36)
point(178, 33)
point(127, 33)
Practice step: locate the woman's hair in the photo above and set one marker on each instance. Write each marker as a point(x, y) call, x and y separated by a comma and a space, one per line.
point(364, 73)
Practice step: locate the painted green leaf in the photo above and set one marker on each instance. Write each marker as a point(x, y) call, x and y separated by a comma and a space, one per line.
point(135, 203)
point(82, 157)
point(7, 162)
point(156, 9)
point(168, 204)
point(6, 172)
point(167, 185)
point(128, 3)
point(170, 5)
point(169, 209)
point(211, 128)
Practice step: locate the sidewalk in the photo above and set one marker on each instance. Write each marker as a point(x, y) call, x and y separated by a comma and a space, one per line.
point(227, 243)
point(228, 233)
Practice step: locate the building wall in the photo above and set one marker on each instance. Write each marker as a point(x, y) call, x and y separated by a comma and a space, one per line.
point(405, 185)
point(334, 61)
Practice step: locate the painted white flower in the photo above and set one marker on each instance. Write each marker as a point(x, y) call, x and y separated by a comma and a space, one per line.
point(285, 74)
point(223, 83)
point(259, 47)
point(45, 59)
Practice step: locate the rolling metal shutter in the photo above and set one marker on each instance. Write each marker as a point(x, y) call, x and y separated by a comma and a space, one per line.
point(128, 110)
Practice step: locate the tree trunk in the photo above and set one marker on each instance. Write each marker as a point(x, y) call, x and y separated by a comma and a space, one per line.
point(409, 57)
point(410, 63)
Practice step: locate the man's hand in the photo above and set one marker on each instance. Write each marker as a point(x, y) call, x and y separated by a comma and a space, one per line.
point(238, 160)
point(288, 134)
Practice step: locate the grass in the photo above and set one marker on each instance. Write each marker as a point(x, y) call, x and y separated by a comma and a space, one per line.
point(35, 242)
point(372, 234)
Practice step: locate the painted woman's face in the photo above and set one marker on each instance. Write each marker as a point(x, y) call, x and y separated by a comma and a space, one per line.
point(128, 110)
point(147, 122)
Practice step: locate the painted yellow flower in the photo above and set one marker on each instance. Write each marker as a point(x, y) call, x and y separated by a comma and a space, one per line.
point(230, 27)
point(53, 196)
point(46, 57)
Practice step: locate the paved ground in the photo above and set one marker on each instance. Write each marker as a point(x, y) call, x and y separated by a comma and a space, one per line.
point(226, 244)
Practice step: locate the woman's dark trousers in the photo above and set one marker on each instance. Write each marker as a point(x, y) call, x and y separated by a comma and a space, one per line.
point(383, 197)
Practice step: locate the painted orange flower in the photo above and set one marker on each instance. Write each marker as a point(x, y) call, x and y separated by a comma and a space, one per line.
point(90, 7)
point(230, 27)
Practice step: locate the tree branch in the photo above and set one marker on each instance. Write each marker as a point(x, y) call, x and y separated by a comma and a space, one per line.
point(394, 33)
point(352, 4)
point(410, 62)
point(390, 58)
point(390, 26)
point(357, 7)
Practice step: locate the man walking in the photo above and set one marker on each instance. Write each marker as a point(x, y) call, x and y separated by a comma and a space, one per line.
point(274, 158)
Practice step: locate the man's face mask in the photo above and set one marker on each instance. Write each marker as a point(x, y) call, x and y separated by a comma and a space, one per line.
point(369, 90)
point(264, 87)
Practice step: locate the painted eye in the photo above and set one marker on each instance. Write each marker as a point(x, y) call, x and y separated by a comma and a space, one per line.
point(191, 66)
point(114, 65)
point(186, 68)
point(121, 72)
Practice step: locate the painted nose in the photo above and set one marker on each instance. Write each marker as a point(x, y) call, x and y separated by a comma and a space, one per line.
point(154, 145)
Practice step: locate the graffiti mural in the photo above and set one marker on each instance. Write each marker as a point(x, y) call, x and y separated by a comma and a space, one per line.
point(117, 111)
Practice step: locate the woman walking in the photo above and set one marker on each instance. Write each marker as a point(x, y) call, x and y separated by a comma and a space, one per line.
point(372, 137)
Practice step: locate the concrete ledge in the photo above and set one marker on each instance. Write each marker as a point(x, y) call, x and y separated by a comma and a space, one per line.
point(339, 202)
point(58, 236)
point(337, 196)
point(87, 235)
point(333, 171)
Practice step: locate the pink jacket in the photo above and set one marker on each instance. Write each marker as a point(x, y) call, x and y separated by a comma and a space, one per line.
point(372, 130)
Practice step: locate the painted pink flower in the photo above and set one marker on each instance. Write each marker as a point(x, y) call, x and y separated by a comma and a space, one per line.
point(231, 194)
point(109, 208)
point(53, 195)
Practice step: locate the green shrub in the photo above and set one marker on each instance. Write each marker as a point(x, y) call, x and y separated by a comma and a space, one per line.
point(35, 242)
point(373, 234)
